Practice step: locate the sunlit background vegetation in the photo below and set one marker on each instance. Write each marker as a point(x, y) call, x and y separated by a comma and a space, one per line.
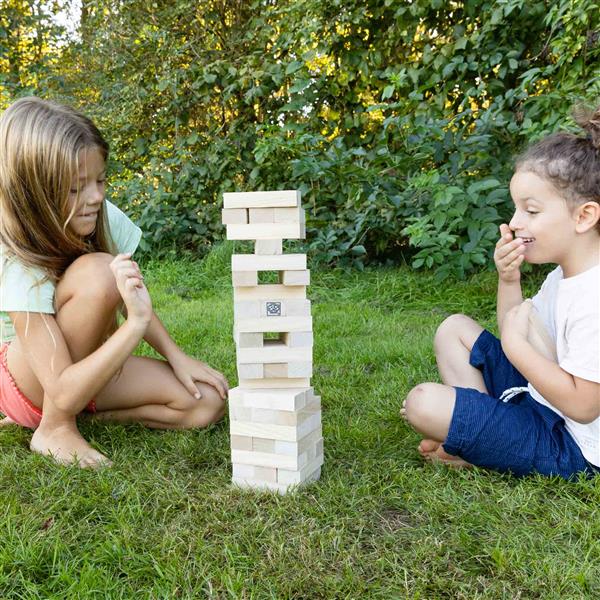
point(398, 120)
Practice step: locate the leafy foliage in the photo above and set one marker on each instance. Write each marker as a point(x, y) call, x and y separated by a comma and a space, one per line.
point(398, 121)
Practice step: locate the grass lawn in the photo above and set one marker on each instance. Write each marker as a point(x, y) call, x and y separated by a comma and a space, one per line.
point(164, 522)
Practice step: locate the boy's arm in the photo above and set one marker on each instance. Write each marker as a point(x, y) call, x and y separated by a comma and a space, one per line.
point(508, 257)
point(575, 397)
point(509, 296)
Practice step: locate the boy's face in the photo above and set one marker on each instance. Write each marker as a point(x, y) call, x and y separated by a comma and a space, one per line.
point(87, 191)
point(542, 219)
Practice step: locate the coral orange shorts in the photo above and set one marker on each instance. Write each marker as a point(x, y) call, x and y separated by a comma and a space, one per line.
point(14, 404)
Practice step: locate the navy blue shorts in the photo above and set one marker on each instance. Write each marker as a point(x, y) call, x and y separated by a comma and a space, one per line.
point(520, 436)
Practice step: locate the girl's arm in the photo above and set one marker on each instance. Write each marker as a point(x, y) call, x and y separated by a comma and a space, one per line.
point(70, 385)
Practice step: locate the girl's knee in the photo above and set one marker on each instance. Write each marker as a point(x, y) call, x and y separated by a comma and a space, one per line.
point(89, 276)
point(206, 411)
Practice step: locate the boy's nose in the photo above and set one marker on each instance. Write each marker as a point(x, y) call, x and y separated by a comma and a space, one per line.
point(514, 223)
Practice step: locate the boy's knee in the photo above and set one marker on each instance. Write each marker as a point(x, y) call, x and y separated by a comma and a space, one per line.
point(455, 328)
point(420, 402)
point(90, 276)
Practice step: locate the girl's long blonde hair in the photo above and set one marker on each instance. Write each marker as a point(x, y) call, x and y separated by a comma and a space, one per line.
point(40, 144)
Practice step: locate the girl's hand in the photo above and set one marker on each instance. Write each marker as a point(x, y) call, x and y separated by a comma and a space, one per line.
point(515, 328)
point(509, 255)
point(130, 283)
point(189, 370)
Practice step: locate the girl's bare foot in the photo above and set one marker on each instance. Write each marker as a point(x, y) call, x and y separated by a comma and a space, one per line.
point(66, 446)
point(432, 451)
point(6, 421)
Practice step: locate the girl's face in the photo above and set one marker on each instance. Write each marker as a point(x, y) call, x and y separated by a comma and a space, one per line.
point(542, 219)
point(87, 191)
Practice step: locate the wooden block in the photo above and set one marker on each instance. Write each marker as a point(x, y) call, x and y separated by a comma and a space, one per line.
point(281, 262)
point(267, 459)
point(247, 310)
point(295, 277)
point(266, 231)
point(256, 472)
point(261, 444)
point(310, 442)
point(275, 291)
point(539, 337)
point(234, 216)
point(240, 442)
point(298, 368)
point(247, 483)
point(292, 307)
point(284, 215)
point(297, 339)
point(250, 371)
point(268, 247)
point(274, 324)
point(272, 353)
point(265, 474)
point(284, 417)
point(276, 432)
point(270, 199)
point(293, 399)
point(243, 470)
point(305, 474)
point(241, 413)
point(249, 340)
point(244, 278)
point(275, 370)
point(274, 383)
point(261, 215)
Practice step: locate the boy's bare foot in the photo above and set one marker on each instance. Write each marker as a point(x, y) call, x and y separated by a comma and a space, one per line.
point(433, 451)
point(66, 446)
point(6, 421)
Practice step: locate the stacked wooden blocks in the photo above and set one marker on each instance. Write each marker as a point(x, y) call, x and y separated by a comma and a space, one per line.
point(275, 417)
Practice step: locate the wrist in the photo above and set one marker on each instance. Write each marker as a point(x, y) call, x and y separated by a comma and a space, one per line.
point(137, 325)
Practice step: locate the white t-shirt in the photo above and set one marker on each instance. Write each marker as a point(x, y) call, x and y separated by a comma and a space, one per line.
point(570, 309)
point(18, 289)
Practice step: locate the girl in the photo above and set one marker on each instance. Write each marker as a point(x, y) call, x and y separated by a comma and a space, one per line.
point(61, 286)
point(505, 404)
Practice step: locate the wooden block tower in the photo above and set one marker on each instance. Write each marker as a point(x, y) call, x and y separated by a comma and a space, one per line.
point(275, 416)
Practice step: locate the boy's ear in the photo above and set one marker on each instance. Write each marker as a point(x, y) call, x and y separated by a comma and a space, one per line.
point(587, 216)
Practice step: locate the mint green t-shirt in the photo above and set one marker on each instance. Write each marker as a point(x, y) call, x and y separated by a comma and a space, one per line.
point(18, 289)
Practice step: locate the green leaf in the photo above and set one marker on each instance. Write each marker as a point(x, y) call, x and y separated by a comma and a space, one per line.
point(293, 67)
point(388, 92)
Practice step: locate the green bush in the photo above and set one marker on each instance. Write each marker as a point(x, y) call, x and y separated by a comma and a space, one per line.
point(398, 121)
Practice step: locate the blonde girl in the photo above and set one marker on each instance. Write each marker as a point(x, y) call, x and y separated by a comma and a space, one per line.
point(65, 255)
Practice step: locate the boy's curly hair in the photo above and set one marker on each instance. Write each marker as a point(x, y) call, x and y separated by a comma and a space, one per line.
point(570, 162)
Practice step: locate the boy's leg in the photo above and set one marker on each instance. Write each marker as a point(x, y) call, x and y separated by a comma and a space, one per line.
point(429, 408)
point(86, 302)
point(453, 342)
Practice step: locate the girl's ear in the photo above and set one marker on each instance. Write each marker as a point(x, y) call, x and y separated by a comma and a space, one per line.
point(587, 216)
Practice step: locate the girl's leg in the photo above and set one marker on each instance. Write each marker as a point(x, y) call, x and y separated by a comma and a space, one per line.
point(86, 303)
point(148, 392)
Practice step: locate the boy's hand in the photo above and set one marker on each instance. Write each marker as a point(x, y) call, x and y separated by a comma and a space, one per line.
point(509, 255)
point(515, 328)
